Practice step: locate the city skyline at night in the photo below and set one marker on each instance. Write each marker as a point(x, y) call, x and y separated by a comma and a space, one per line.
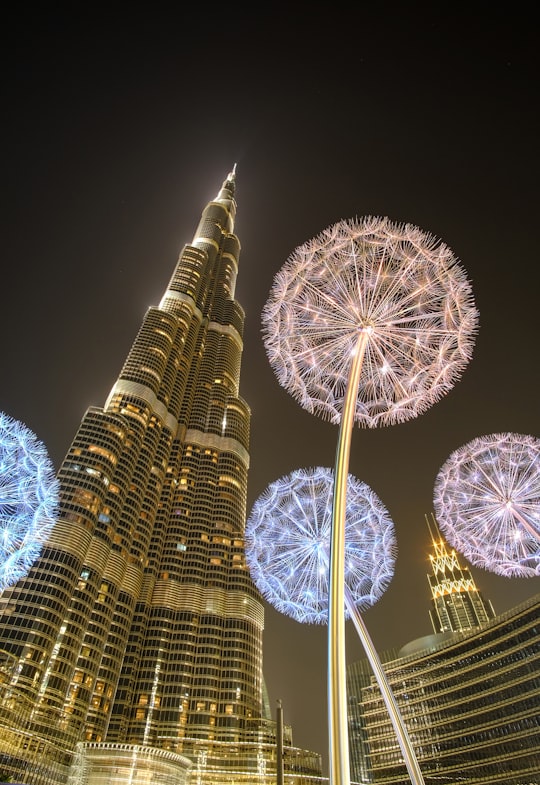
point(116, 134)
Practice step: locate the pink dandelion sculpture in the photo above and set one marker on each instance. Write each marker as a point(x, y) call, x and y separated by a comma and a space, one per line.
point(395, 286)
point(487, 502)
point(369, 322)
point(28, 499)
point(288, 544)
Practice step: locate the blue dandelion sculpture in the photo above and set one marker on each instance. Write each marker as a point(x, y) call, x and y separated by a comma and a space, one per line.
point(370, 322)
point(487, 502)
point(28, 499)
point(288, 544)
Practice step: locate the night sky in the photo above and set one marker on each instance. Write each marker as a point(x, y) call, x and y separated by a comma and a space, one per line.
point(119, 128)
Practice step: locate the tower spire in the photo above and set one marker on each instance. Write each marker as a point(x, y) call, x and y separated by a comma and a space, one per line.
point(140, 627)
point(456, 603)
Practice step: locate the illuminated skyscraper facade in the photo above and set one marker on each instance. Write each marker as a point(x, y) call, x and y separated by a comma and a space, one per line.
point(456, 603)
point(139, 627)
point(469, 701)
point(467, 693)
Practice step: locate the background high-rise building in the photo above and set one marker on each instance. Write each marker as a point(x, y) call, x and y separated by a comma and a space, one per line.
point(456, 603)
point(139, 627)
point(468, 693)
point(469, 701)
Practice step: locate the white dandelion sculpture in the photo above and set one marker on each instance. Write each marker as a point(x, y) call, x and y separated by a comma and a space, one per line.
point(28, 499)
point(369, 322)
point(487, 502)
point(288, 544)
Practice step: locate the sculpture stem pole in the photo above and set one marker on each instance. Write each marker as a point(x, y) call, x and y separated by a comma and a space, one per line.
point(338, 737)
point(391, 704)
point(279, 755)
point(339, 596)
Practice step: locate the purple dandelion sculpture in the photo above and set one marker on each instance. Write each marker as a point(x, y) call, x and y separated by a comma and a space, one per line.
point(288, 544)
point(487, 502)
point(28, 499)
point(369, 322)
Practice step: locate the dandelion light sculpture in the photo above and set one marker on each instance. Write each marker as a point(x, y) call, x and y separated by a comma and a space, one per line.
point(369, 322)
point(288, 536)
point(28, 499)
point(487, 502)
point(387, 291)
point(288, 544)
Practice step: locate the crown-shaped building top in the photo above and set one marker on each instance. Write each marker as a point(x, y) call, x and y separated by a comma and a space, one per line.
point(456, 603)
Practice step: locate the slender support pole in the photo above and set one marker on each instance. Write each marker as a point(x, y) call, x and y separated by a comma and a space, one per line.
point(338, 596)
point(279, 734)
point(388, 696)
point(337, 685)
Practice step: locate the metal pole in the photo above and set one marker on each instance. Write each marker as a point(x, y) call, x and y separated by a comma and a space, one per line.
point(338, 597)
point(279, 744)
point(388, 696)
point(337, 687)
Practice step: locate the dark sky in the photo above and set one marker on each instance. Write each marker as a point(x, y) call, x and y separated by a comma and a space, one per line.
point(117, 129)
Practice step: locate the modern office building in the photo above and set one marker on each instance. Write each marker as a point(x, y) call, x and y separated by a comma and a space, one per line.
point(469, 700)
point(132, 651)
point(456, 603)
